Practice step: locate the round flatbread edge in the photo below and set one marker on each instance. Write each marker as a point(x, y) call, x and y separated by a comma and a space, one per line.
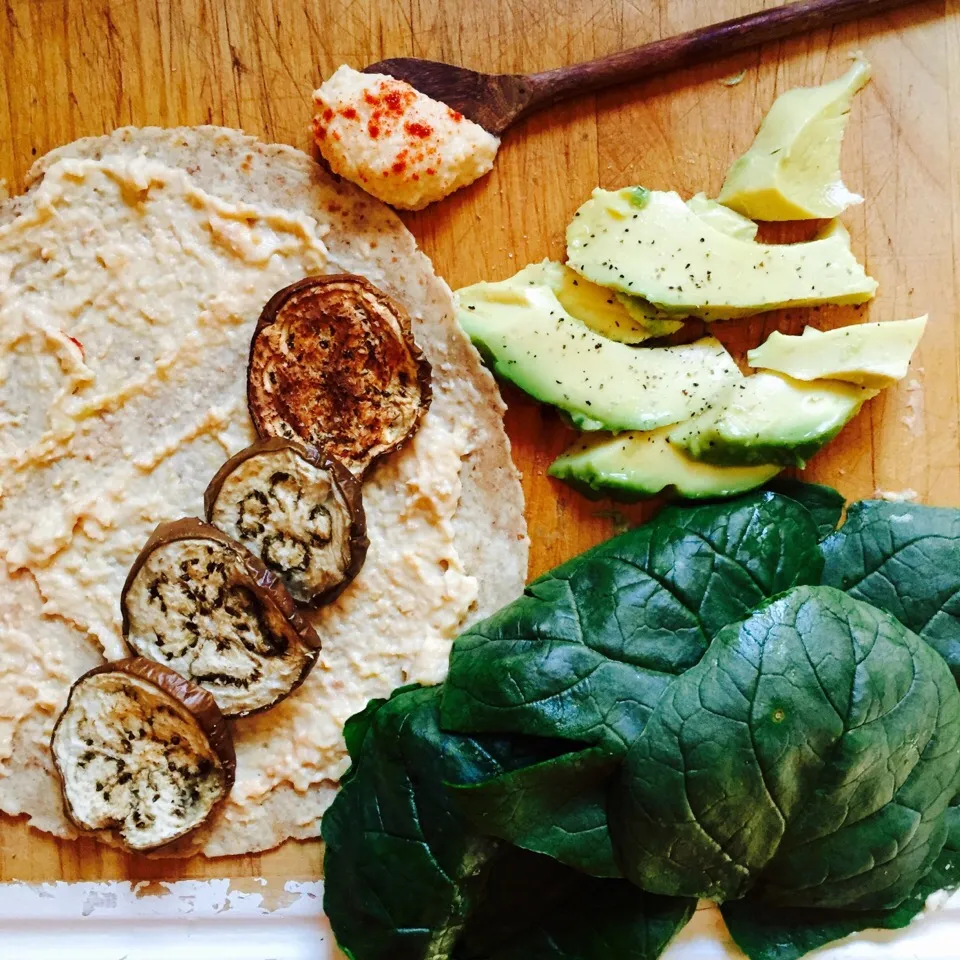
point(367, 238)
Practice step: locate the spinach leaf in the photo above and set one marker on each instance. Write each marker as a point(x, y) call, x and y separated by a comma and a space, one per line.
point(558, 808)
point(904, 559)
point(589, 649)
point(406, 878)
point(401, 873)
point(809, 757)
point(824, 503)
point(761, 544)
point(788, 933)
point(536, 909)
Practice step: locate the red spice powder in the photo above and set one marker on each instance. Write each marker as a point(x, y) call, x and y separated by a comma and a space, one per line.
point(394, 98)
point(390, 103)
point(421, 130)
point(395, 102)
point(78, 345)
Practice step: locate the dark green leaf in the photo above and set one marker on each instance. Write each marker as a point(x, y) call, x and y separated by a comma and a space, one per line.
point(405, 879)
point(356, 727)
point(809, 757)
point(588, 650)
point(904, 559)
point(770, 933)
point(558, 808)
point(761, 545)
point(355, 732)
point(566, 915)
point(517, 876)
point(401, 872)
point(824, 503)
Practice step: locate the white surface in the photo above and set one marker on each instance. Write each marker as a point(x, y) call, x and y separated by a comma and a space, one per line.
point(190, 920)
point(254, 920)
point(933, 935)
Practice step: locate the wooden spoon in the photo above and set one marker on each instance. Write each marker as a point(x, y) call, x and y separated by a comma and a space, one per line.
point(498, 100)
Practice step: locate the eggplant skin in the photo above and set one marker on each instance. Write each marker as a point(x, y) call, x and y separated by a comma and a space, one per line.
point(333, 362)
point(345, 488)
point(197, 707)
point(200, 602)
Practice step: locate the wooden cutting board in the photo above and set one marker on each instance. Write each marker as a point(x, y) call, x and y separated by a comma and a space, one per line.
point(71, 68)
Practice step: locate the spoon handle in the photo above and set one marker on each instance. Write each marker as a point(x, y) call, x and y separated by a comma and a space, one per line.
point(697, 46)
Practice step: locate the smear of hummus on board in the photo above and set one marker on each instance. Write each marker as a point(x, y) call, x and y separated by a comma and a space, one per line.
point(127, 299)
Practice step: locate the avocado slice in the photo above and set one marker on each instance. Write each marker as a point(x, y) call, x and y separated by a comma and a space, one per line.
point(657, 323)
point(649, 243)
point(635, 465)
point(868, 354)
point(529, 339)
point(621, 316)
point(593, 305)
point(612, 315)
point(723, 218)
point(792, 170)
point(772, 419)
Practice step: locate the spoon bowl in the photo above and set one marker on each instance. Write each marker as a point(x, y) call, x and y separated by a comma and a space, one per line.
point(494, 100)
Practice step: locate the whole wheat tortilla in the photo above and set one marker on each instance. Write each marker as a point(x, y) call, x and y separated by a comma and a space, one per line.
point(366, 238)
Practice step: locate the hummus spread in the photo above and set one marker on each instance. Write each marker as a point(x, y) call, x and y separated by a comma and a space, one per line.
point(400, 145)
point(128, 296)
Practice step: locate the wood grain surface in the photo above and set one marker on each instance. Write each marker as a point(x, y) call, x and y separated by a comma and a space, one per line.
point(72, 68)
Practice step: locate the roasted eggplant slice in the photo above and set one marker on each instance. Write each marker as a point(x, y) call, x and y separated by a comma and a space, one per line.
point(299, 510)
point(333, 363)
point(205, 606)
point(141, 753)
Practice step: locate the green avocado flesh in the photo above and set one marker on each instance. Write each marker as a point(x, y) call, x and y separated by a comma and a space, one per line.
point(529, 339)
point(656, 322)
point(650, 244)
point(792, 171)
point(771, 419)
point(660, 323)
point(596, 306)
point(869, 354)
point(723, 218)
point(635, 465)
